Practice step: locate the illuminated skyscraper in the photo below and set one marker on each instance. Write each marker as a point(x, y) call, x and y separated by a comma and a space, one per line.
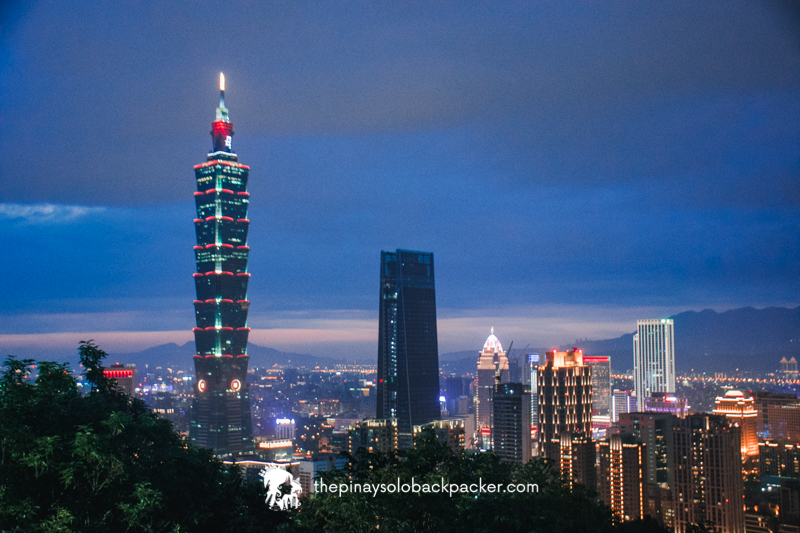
point(740, 411)
point(653, 358)
point(708, 473)
point(623, 476)
point(601, 384)
point(408, 349)
point(221, 409)
point(492, 369)
point(565, 399)
point(511, 433)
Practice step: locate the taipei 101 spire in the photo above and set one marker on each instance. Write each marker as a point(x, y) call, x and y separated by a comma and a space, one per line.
point(220, 417)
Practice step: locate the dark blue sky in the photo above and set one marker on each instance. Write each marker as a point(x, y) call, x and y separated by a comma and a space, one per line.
point(573, 166)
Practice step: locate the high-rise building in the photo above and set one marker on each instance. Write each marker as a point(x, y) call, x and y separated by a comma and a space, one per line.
point(622, 401)
point(708, 473)
point(374, 436)
point(777, 416)
point(601, 383)
point(532, 360)
point(565, 399)
point(492, 369)
point(123, 375)
point(576, 459)
point(655, 431)
point(408, 350)
point(623, 476)
point(221, 408)
point(449, 432)
point(653, 358)
point(779, 460)
point(512, 423)
point(740, 411)
point(666, 402)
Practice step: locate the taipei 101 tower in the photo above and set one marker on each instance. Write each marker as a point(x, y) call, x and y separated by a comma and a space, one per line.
point(221, 408)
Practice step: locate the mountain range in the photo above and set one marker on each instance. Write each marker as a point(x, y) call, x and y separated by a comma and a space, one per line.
point(706, 341)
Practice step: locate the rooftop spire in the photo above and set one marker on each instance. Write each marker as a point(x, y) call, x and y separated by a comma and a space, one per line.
point(222, 111)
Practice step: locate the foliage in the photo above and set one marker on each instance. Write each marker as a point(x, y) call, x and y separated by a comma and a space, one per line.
point(553, 509)
point(105, 462)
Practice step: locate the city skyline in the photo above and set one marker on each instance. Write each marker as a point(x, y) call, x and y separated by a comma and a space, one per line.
point(584, 130)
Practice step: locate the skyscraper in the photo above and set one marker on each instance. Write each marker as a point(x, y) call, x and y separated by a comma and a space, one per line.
point(623, 476)
point(221, 408)
point(512, 423)
point(740, 411)
point(708, 473)
point(653, 358)
point(565, 399)
point(492, 369)
point(601, 384)
point(408, 350)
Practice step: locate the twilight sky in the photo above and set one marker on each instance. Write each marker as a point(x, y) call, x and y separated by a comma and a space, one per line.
point(572, 166)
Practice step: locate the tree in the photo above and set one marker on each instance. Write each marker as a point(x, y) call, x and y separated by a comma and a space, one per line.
point(105, 462)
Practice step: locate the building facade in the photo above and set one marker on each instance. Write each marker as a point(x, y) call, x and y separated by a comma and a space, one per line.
point(622, 476)
point(123, 375)
point(512, 423)
point(373, 436)
point(653, 358)
point(622, 401)
point(708, 473)
point(408, 350)
point(449, 432)
point(576, 459)
point(777, 416)
point(665, 402)
point(741, 412)
point(655, 431)
point(492, 369)
point(601, 384)
point(221, 417)
point(565, 399)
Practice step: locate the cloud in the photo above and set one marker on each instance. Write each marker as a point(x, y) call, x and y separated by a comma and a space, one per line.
point(46, 213)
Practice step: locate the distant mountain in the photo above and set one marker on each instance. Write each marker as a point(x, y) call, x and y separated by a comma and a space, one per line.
point(181, 357)
point(745, 338)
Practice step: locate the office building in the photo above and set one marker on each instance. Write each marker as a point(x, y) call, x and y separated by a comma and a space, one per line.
point(779, 460)
point(665, 402)
point(512, 423)
point(740, 411)
point(532, 361)
point(373, 436)
point(123, 375)
point(622, 476)
point(653, 358)
point(449, 432)
point(576, 459)
point(284, 429)
point(622, 401)
point(601, 383)
point(565, 399)
point(789, 367)
point(777, 416)
point(654, 430)
point(310, 467)
point(408, 351)
point(708, 473)
point(492, 369)
point(221, 409)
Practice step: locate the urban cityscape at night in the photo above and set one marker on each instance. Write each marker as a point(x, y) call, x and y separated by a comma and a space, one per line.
point(609, 340)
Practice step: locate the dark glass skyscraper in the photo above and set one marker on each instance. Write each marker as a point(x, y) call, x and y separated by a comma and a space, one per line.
point(408, 349)
point(221, 408)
